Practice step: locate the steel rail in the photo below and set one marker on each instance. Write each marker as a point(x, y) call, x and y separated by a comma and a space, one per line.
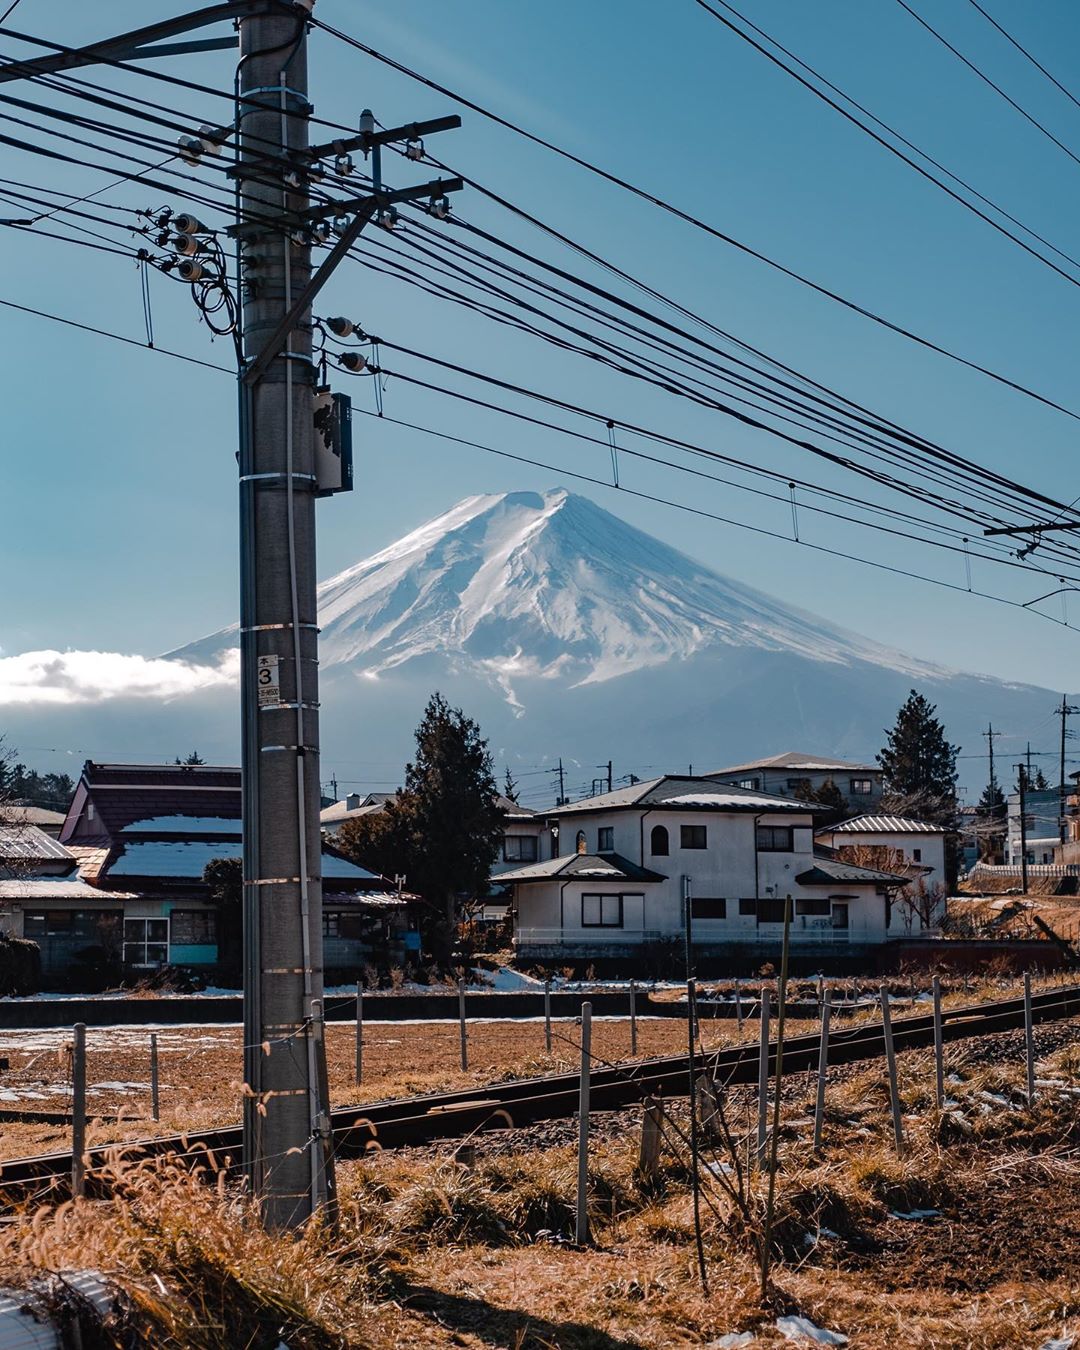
point(411, 1121)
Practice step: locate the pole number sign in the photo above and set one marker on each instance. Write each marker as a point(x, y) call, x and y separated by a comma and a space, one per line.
point(269, 680)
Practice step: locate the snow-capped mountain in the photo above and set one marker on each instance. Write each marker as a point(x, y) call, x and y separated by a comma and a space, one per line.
point(565, 631)
point(522, 586)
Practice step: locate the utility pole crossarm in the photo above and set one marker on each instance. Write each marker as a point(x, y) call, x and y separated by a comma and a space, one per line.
point(137, 44)
point(368, 140)
point(1035, 527)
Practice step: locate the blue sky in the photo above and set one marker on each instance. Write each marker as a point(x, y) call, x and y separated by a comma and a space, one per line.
point(119, 477)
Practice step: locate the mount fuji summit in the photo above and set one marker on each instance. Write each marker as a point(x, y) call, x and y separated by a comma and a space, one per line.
point(566, 631)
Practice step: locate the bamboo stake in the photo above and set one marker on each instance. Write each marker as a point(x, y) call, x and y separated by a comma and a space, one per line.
point(823, 1065)
point(78, 1111)
point(581, 1228)
point(890, 1061)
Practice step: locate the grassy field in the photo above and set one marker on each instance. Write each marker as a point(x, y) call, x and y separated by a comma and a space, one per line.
point(970, 1240)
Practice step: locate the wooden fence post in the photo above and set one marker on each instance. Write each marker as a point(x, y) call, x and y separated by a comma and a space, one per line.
point(763, 1078)
point(581, 1227)
point(633, 1017)
point(939, 1049)
point(890, 1061)
point(359, 1032)
point(651, 1139)
point(738, 1006)
point(1029, 1041)
point(155, 1100)
point(822, 1068)
point(547, 1015)
point(78, 1111)
point(461, 1020)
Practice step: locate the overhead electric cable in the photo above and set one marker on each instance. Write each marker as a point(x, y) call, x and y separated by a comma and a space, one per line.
point(686, 216)
point(711, 9)
point(724, 520)
point(1034, 121)
point(1024, 52)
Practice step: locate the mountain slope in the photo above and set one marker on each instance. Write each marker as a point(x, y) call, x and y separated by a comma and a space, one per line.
point(520, 587)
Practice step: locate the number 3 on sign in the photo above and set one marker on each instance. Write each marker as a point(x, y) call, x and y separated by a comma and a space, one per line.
point(269, 682)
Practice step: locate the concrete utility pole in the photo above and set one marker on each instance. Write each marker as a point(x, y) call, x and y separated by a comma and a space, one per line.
point(1066, 711)
point(1022, 783)
point(279, 673)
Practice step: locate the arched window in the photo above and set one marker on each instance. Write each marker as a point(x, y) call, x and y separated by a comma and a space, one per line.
point(659, 846)
point(582, 847)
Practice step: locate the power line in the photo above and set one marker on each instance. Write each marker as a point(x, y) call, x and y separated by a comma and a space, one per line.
point(693, 510)
point(116, 337)
point(892, 149)
point(1024, 52)
point(988, 81)
point(687, 217)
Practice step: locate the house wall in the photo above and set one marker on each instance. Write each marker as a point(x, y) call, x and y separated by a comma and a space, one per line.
point(520, 829)
point(930, 847)
point(781, 782)
point(730, 867)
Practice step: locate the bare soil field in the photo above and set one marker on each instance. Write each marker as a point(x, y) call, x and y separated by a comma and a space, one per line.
point(971, 1239)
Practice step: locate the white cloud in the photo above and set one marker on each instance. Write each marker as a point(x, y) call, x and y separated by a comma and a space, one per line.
point(59, 678)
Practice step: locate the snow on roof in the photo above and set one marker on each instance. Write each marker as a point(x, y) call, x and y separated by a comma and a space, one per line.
point(677, 790)
point(884, 825)
point(730, 800)
point(42, 889)
point(795, 759)
point(187, 859)
point(27, 843)
point(180, 824)
point(611, 867)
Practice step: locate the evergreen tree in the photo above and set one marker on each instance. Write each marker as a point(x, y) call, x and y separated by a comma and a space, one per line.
point(829, 803)
point(990, 822)
point(225, 878)
point(1036, 781)
point(443, 829)
point(510, 787)
point(918, 762)
point(27, 787)
point(193, 758)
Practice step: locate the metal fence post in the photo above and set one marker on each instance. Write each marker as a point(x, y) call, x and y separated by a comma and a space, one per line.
point(823, 1066)
point(939, 1051)
point(1029, 1040)
point(78, 1111)
point(581, 1227)
point(359, 1032)
point(633, 1017)
point(763, 1078)
point(547, 1015)
point(155, 1101)
point(461, 1020)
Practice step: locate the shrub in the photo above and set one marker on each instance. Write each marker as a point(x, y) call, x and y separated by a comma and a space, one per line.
point(20, 966)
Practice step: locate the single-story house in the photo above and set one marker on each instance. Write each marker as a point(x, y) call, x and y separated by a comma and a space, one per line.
point(623, 863)
point(140, 837)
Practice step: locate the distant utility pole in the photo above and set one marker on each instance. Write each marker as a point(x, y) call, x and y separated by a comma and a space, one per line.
point(562, 783)
point(1022, 781)
point(284, 466)
point(1066, 711)
point(991, 735)
point(608, 767)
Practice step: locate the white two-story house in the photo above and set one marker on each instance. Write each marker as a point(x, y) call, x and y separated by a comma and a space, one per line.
point(625, 861)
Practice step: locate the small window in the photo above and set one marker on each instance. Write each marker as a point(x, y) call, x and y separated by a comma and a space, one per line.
point(813, 906)
point(582, 846)
point(771, 910)
point(601, 911)
point(703, 908)
point(146, 942)
point(750, 783)
point(916, 854)
point(748, 908)
point(605, 839)
point(194, 927)
point(692, 836)
point(519, 848)
point(798, 784)
point(862, 787)
point(659, 841)
point(775, 838)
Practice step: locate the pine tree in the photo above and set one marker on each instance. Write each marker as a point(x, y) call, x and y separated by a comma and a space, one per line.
point(1036, 781)
point(918, 762)
point(510, 787)
point(990, 818)
point(193, 758)
point(443, 829)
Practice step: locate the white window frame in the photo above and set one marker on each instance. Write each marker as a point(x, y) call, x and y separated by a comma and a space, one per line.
point(138, 947)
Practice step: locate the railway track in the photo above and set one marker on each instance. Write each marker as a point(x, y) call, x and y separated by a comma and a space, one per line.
point(527, 1101)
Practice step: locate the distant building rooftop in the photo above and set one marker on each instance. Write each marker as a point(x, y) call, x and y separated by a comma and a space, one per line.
point(795, 759)
point(884, 825)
